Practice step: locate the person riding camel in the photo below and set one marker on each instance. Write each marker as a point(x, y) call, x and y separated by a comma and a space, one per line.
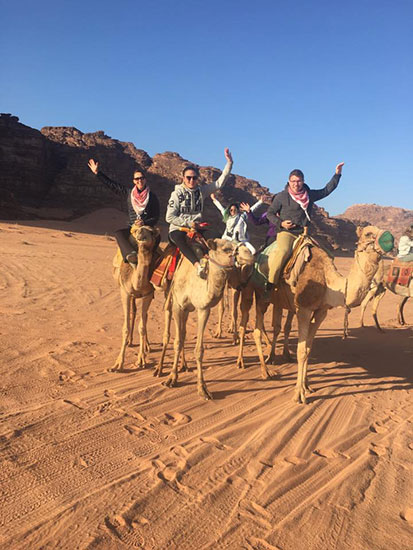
point(143, 208)
point(185, 208)
point(290, 211)
point(260, 220)
point(405, 249)
point(235, 219)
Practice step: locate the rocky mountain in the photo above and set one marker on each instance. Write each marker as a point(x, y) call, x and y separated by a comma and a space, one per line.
point(387, 217)
point(44, 174)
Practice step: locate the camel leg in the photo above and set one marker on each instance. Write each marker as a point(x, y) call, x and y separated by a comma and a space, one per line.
point(347, 312)
point(143, 341)
point(203, 315)
point(246, 303)
point(400, 316)
point(183, 367)
point(235, 296)
point(261, 308)
point(277, 314)
point(178, 345)
point(287, 329)
point(221, 309)
point(364, 304)
point(132, 321)
point(308, 325)
point(166, 337)
point(126, 305)
point(374, 307)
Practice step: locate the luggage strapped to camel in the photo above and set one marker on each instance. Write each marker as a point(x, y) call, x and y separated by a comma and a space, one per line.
point(400, 273)
point(169, 261)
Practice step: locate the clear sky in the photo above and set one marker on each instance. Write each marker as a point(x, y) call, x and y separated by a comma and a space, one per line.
point(303, 84)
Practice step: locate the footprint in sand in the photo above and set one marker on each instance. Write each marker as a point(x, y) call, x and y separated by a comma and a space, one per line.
point(295, 460)
point(378, 450)
point(217, 444)
point(329, 453)
point(378, 428)
point(260, 544)
point(407, 515)
point(175, 419)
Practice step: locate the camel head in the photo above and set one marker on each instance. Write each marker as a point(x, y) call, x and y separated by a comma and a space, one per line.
point(145, 235)
point(243, 267)
point(237, 259)
point(374, 241)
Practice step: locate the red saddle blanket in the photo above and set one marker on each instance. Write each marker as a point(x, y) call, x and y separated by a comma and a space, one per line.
point(400, 273)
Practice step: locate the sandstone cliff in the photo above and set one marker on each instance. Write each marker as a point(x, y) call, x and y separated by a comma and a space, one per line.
point(44, 174)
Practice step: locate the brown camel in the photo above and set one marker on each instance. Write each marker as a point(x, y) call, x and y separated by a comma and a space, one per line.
point(189, 292)
point(377, 291)
point(319, 288)
point(135, 286)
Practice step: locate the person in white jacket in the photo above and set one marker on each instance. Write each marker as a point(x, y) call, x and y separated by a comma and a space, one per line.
point(186, 205)
point(405, 250)
point(235, 218)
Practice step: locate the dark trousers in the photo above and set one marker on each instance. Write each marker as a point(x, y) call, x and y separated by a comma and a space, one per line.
point(127, 243)
point(179, 239)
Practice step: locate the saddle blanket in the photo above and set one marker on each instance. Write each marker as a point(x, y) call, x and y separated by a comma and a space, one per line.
point(400, 273)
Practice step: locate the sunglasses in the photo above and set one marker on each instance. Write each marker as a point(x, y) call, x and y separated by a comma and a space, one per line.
point(138, 179)
point(191, 178)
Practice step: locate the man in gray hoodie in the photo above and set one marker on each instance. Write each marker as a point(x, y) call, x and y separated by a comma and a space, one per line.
point(186, 204)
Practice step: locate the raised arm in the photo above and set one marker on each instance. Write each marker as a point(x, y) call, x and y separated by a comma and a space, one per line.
point(117, 188)
point(211, 187)
point(317, 194)
point(217, 204)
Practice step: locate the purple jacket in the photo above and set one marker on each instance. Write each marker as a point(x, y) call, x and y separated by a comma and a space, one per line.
point(261, 220)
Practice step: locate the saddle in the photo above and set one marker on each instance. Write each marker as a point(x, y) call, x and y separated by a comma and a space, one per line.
point(400, 273)
point(294, 266)
point(168, 262)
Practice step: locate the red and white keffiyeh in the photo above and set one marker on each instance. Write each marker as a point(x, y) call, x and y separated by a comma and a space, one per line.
point(301, 198)
point(139, 199)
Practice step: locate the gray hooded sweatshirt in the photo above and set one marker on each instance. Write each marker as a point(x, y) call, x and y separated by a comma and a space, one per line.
point(185, 206)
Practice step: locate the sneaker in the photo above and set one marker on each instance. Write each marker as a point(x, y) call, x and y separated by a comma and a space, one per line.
point(132, 259)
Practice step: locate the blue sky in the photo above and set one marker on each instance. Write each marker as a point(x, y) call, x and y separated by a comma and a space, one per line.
point(303, 85)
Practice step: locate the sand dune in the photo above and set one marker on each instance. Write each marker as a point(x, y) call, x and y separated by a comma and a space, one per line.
point(92, 459)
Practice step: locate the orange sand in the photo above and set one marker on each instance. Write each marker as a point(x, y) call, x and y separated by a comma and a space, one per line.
point(97, 460)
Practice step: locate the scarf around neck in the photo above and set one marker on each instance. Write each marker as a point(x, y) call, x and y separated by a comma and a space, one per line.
point(301, 198)
point(139, 199)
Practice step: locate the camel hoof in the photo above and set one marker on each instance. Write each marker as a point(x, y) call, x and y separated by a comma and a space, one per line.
point(158, 371)
point(217, 334)
point(267, 375)
point(204, 393)
point(300, 397)
point(170, 382)
point(271, 359)
point(240, 365)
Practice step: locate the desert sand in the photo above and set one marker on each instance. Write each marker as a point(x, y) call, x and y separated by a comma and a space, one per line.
point(92, 459)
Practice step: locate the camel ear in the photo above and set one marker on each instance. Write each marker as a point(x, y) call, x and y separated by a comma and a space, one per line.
point(358, 231)
point(212, 244)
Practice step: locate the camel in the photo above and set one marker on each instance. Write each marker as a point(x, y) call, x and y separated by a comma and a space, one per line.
point(377, 291)
point(134, 285)
point(189, 292)
point(319, 288)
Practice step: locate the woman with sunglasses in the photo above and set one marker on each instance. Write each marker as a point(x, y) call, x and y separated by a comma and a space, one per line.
point(143, 208)
point(186, 204)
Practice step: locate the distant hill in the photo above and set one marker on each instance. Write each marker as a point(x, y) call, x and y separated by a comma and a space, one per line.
point(388, 217)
